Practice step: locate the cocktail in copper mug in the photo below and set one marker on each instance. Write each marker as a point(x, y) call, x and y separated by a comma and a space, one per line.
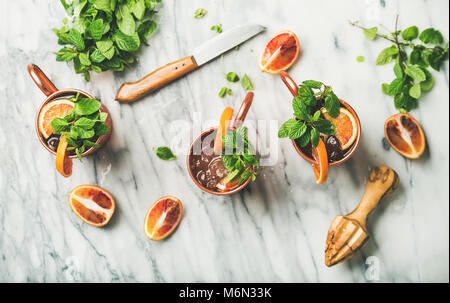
point(306, 152)
point(205, 167)
point(52, 94)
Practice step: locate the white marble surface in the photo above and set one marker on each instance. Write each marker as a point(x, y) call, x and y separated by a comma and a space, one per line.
point(272, 232)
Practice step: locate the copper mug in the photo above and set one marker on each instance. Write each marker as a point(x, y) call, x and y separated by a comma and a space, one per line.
point(293, 88)
point(51, 92)
point(238, 121)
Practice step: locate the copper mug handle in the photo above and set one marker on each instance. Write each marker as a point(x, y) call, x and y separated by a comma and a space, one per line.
point(41, 80)
point(290, 83)
point(243, 110)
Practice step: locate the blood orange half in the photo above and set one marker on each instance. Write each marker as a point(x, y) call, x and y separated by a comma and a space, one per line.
point(92, 204)
point(162, 218)
point(405, 135)
point(279, 53)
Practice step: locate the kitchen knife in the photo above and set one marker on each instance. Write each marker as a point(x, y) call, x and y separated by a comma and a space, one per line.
point(207, 51)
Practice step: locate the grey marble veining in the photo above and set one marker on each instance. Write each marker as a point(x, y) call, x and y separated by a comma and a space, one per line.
point(275, 230)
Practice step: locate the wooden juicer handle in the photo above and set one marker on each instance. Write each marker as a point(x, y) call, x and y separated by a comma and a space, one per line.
point(382, 181)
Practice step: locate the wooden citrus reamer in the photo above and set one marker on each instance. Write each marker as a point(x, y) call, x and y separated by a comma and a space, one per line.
point(348, 233)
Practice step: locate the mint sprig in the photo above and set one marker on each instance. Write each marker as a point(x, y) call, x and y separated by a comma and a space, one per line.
point(308, 124)
point(83, 125)
point(412, 61)
point(104, 34)
point(239, 156)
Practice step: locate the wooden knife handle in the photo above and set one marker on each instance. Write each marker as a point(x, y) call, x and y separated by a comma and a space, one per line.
point(382, 181)
point(135, 90)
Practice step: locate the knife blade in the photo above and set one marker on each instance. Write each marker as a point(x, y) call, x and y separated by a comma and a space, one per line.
point(131, 91)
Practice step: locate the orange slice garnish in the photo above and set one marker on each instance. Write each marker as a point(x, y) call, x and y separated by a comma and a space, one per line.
point(92, 204)
point(63, 162)
point(321, 165)
point(405, 135)
point(54, 109)
point(227, 186)
point(225, 120)
point(346, 127)
point(162, 218)
point(279, 53)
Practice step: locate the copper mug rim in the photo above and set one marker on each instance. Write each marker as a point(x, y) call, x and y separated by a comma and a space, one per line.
point(51, 93)
point(292, 86)
point(240, 117)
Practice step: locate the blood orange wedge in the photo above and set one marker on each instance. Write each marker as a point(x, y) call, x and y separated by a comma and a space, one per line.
point(92, 204)
point(63, 162)
point(279, 53)
point(346, 127)
point(162, 218)
point(54, 109)
point(225, 185)
point(225, 120)
point(321, 165)
point(405, 135)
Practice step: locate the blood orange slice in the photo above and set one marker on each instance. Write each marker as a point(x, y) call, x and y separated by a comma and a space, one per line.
point(225, 120)
point(92, 204)
point(163, 217)
point(346, 127)
point(279, 53)
point(54, 109)
point(405, 135)
point(63, 162)
point(321, 165)
point(228, 185)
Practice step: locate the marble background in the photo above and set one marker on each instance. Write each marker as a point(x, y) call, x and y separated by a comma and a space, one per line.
point(275, 230)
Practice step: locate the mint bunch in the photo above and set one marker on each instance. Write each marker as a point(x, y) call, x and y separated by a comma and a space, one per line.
point(104, 34)
point(308, 125)
point(239, 157)
point(83, 125)
point(412, 62)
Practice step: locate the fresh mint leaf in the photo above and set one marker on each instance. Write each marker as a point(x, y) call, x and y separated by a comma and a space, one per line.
point(410, 33)
point(315, 137)
point(85, 123)
point(97, 56)
point(125, 42)
point(396, 86)
point(371, 33)
point(165, 153)
point(312, 83)
point(86, 106)
point(324, 126)
point(101, 129)
point(217, 28)
point(200, 13)
point(232, 77)
point(59, 124)
point(95, 29)
point(305, 139)
point(223, 92)
point(297, 130)
point(139, 9)
point(387, 55)
point(332, 105)
point(76, 39)
point(84, 59)
point(106, 47)
point(428, 83)
point(416, 73)
point(415, 91)
point(398, 71)
point(285, 129)
point(431, 35)
point(246, 83)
